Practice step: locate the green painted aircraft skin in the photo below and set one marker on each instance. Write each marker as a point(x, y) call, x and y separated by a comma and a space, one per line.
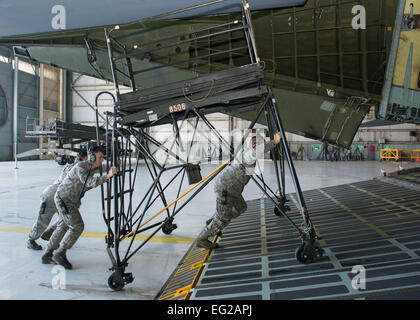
point(305, 50)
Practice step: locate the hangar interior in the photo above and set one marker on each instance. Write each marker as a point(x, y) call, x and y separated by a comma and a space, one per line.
point(364, 209)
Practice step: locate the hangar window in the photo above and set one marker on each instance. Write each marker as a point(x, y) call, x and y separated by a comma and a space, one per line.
point(4, 59)
point(24, 66)
point(51, 73)
point(51, 89)
point(27, 67)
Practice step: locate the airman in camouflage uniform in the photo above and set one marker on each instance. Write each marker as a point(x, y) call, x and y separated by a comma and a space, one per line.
point(67, 199)
point(228, 188)
point(48, 209)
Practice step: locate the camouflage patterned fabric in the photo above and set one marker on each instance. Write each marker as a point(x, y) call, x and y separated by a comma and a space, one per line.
point(47, 208)
point(79, 180)
point(234, 177)
point(67, 199)
point(70, 226)
point(228, 187)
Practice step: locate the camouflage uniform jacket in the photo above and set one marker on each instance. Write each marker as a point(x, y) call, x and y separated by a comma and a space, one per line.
point(80, 179)
point(52, 188)
point(234, 177)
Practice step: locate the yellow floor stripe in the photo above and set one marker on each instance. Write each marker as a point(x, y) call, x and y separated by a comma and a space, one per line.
point(356, 215)
point(183, 274)
point(101, 235)
point(263, 228)
point(386, 200)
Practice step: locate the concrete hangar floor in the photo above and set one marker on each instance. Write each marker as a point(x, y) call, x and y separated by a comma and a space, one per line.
point(24, 277)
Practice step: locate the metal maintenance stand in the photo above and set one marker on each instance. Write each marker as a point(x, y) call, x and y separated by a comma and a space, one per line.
point(234, 86)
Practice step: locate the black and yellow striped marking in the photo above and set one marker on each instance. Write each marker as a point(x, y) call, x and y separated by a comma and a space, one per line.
point(186, 275)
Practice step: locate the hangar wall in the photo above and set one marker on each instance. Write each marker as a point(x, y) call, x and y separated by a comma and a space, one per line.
point(27, 107)
point(6, 121)
point(29, 104)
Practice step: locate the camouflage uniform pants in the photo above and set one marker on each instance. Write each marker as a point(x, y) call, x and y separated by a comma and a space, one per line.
point(46, 212)
point(69, 228)
point(228, 207)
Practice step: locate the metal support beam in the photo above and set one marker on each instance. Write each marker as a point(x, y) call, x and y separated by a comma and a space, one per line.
point(41, 100)
point(15, 109)
point(389, 76)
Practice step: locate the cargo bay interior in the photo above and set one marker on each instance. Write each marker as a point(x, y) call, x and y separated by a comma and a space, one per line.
point(171, 96)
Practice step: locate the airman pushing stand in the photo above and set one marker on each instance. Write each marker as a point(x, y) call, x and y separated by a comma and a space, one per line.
point(229, 186)
point(48, 209)
point(67, 199)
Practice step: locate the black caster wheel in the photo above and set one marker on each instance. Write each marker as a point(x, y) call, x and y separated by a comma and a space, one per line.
point(277, 212)
point(308, 252)
point(301, 256)
point(168, 228)
point(116, 282)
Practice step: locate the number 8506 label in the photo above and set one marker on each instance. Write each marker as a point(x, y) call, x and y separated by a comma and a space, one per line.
point(177, 107)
